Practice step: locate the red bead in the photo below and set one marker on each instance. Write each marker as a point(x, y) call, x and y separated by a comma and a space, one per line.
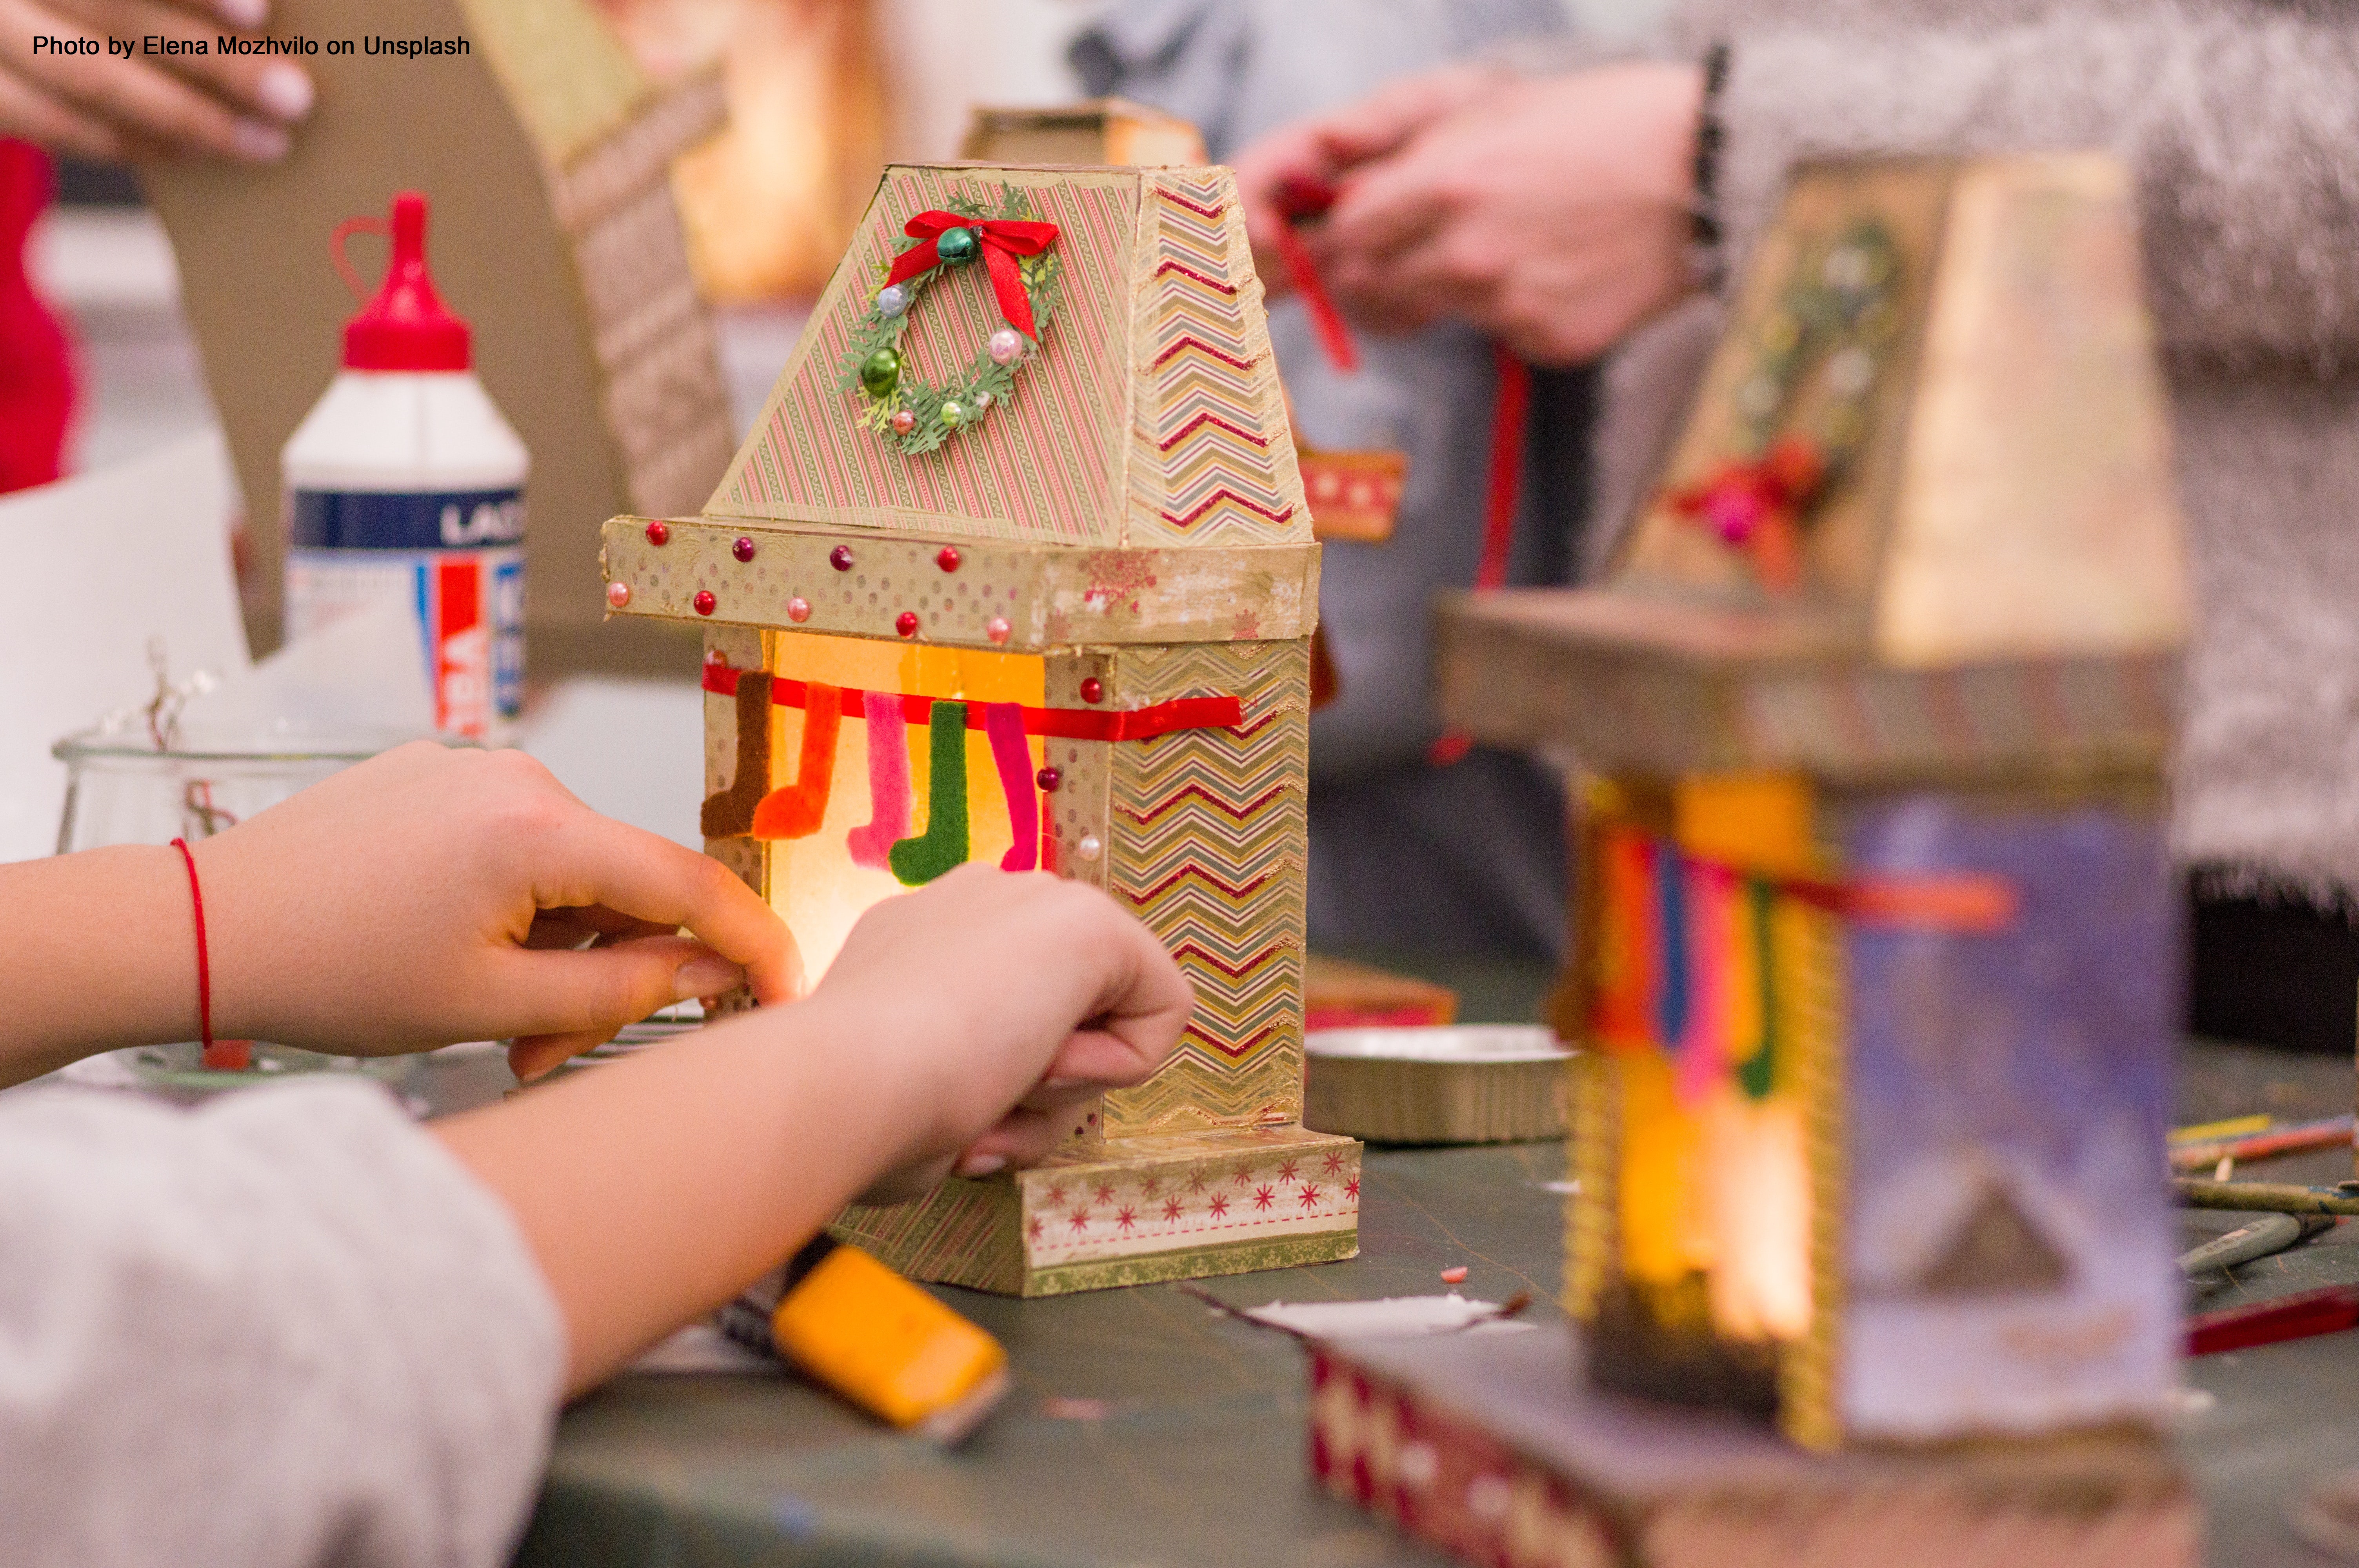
point(908, 623)
point(704, 602)
point(1092, 690)
point(742, 549)
point(1049, 778)
point(659, 534)
point(840, 557)
point(949, 558)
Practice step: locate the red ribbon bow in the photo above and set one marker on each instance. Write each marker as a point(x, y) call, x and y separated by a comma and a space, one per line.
point(1758, 505)
point(1001, 241)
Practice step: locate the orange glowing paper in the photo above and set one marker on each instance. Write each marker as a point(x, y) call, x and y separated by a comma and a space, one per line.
point(816, 886)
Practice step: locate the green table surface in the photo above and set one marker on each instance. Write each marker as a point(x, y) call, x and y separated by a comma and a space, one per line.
point(1145, 1429)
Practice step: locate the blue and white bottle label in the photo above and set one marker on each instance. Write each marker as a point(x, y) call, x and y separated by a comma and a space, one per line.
point(454, 558)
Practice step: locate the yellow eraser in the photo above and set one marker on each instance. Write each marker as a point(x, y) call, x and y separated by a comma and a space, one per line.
point(889, 1347)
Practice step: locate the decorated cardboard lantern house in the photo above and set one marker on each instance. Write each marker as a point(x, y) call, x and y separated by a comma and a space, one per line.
point(1873, 953)
point(1015, 567)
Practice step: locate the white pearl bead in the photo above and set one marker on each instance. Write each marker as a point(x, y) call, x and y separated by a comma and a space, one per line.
point(1089, 848)
point(1007, 345)
point(892, 299)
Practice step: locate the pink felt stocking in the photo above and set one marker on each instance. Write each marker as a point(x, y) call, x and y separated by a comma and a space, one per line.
point(1004, 722)
point(888, 782)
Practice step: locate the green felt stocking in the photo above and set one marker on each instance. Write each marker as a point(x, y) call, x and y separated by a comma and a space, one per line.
point(917, 861)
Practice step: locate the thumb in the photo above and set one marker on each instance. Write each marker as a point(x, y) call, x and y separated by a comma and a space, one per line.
point(558, 1004)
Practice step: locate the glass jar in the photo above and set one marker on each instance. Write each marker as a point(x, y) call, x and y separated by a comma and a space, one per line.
point(122, 789)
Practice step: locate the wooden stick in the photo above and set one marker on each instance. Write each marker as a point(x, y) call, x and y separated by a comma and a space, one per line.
point(2277, 1197)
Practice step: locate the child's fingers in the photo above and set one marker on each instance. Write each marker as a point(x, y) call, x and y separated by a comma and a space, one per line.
point(1092, 1061)
point(597, 991)
point(531, 1056)
point(1143, 1001)
point(648, 878)
point(1023, 1137)
point(906, 1185)
point(576, 927)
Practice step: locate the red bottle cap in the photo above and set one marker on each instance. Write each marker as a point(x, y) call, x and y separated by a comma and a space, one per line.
point(406, 327)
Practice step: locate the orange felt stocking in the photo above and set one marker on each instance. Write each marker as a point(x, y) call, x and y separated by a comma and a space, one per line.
point(795, 810)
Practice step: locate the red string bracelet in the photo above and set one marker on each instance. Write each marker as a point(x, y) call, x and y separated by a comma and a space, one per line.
point(204, 961)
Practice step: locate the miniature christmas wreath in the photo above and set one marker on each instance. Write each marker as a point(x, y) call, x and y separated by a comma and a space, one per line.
point(1012, 245)
point(1836, 318)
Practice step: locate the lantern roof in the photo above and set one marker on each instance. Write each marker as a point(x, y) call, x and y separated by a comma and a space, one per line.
point(1144, 414)
point(1922, 515)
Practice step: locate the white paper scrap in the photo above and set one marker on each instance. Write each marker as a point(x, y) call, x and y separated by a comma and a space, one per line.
point(1390, 1317)
point(109, 562)
point(361, 677)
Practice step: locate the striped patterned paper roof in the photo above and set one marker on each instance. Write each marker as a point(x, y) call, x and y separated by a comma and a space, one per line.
point(1151, 415)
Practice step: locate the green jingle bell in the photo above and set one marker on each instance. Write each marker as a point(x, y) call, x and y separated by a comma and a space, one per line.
point(957, 246)
point(880, 373)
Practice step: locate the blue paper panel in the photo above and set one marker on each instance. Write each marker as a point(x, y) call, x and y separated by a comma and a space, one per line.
point(2008, 1228)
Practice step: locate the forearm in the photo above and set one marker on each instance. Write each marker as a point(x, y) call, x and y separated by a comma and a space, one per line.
point(653, 1190)
point(2238, 127)
point(101, 953)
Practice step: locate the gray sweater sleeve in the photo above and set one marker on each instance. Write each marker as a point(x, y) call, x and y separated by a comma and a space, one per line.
point(2241, 124)
point(283, 1331)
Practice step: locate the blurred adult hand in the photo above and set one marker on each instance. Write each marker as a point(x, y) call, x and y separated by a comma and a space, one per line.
point(1553, 213)
point(1316, 154)
point(105, 107)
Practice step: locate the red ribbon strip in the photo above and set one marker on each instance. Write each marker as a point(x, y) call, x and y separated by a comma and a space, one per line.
point(1964, 904)
point(1501, 490)
point(1298, 201)
point(1062, 723)
point(1001, 241)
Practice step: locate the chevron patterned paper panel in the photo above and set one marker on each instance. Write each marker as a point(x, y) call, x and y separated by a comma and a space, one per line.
point(1206, 843)
point(1046, 465)
point(1212, 456)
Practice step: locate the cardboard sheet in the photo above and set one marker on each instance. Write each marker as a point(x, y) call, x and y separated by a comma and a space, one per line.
point(122, 557)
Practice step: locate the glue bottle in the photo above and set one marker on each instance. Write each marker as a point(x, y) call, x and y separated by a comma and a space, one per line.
point(405, 486)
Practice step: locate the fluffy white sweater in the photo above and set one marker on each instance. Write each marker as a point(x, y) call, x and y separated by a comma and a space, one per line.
point(283, 1331)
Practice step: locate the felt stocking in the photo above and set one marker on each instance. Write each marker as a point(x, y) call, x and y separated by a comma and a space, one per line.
point(730, 814)
point(917, 861)
point(795, 810)
point(888, 782)
point(1004, 721)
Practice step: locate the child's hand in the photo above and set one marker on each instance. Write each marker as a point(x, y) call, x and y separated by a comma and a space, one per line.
point(432, 895)
point(990, 1004)
point(660, 1187)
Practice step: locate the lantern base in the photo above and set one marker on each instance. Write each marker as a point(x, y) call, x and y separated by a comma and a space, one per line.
point(1130, 1210)
point(1496, 1447)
